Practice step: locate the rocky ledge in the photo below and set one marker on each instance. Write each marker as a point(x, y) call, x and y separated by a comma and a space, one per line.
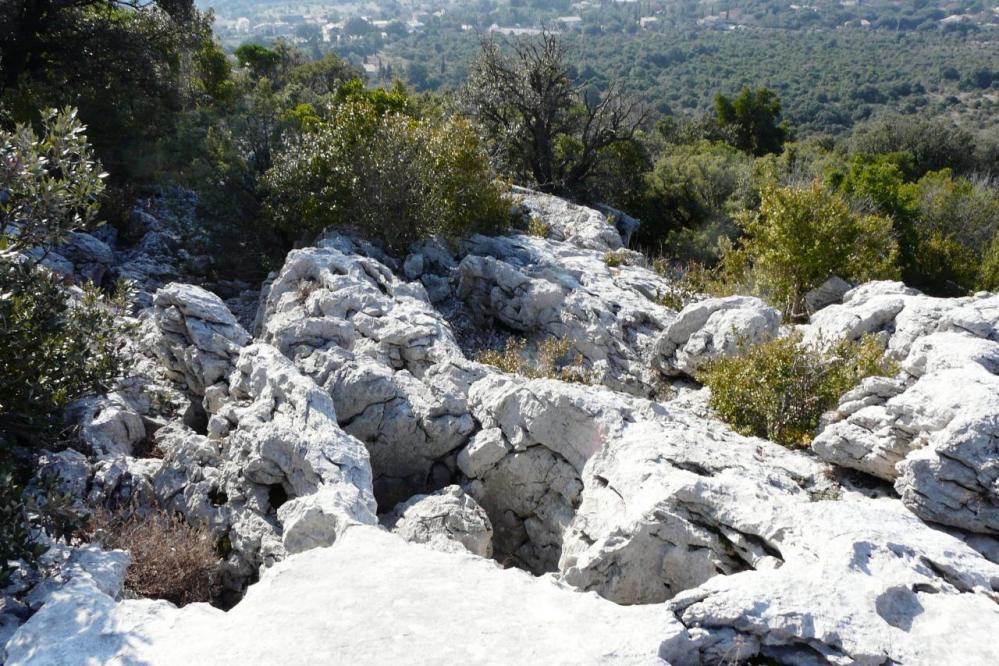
point(387, 498)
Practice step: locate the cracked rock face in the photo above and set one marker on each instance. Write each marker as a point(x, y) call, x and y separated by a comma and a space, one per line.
point(862, 582)
point(386, 356)
point(194, 335)
point(449, 520)
point(713, 328)
point(933, 429)
point(543, 288)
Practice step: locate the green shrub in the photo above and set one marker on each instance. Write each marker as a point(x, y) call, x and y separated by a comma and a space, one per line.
point(538, 227)
point(779, 389)
point(617, 258)
point(689, 282)
point(390, 176)
point(53, 347)
point(801, 236)
point(956, 226)
point(691, 197)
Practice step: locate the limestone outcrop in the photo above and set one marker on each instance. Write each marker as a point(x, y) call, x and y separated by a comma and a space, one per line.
point(712, 328)
point(932, 429)
point(380, 496)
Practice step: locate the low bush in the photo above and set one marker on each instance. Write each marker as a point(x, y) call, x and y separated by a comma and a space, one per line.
point(390, 176)
point(552, 360)
point(170, 559)
point(780, 389)
point(617, 258)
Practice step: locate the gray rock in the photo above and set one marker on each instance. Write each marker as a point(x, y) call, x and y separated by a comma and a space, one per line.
point(930, 430)
point(713, 328)
point(514, 618)
point(447, 520)
point(547, 289)
point(194, 335)
point(388, 359)
point(571, 223)
point(828, 293)
point(83, 248)
point(109, 425)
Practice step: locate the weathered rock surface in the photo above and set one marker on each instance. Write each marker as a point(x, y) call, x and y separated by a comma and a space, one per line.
point(862, 582)
point(828, 293)
point(293, 479)
point(194, 335)
point(331, 607)
point(933, 429)
point(571, 223)
point(108, 424)
point(388, 359)
point(447, 520)
point(712, 328)
point(542, 289)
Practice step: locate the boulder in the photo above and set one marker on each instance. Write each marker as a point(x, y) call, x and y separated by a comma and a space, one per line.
point(194, 335)
point(571, 223)
point(287, 461)
point(862, 582)
point(389, 360)
point(828, 293)
point(447, 520)
point(109, 425)
point(713, 328)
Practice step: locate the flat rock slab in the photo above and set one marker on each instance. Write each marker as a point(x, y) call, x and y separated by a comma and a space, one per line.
point(369, 599)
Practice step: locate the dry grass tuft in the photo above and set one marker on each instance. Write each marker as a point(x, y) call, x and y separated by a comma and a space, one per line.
point(170, 559)
point(552, 360)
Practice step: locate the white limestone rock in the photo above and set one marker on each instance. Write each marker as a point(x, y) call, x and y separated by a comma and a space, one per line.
point(330, 604)
point(448, 520)
point(285, 436)
point(862, 582)
point(570, 223)
point(931, 430)
point(194, 335)
point(547, 289)
point(713, 328)
point(386, 356)
point(109, 425)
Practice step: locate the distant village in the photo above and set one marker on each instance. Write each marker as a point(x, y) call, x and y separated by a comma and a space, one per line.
point(339, 26)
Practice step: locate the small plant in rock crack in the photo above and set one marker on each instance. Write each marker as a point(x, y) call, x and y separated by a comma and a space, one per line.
point(617, 258)
point(171, 559)
point(538, 227)
point(552, 359)
point(780, 389)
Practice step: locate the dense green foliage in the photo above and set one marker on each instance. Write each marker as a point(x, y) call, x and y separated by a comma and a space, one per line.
point(54, 347)
point(780, 389)
point(394, 177)
point(828, 80)
point(124, 65)
point(754, 116)
point(801, 236)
